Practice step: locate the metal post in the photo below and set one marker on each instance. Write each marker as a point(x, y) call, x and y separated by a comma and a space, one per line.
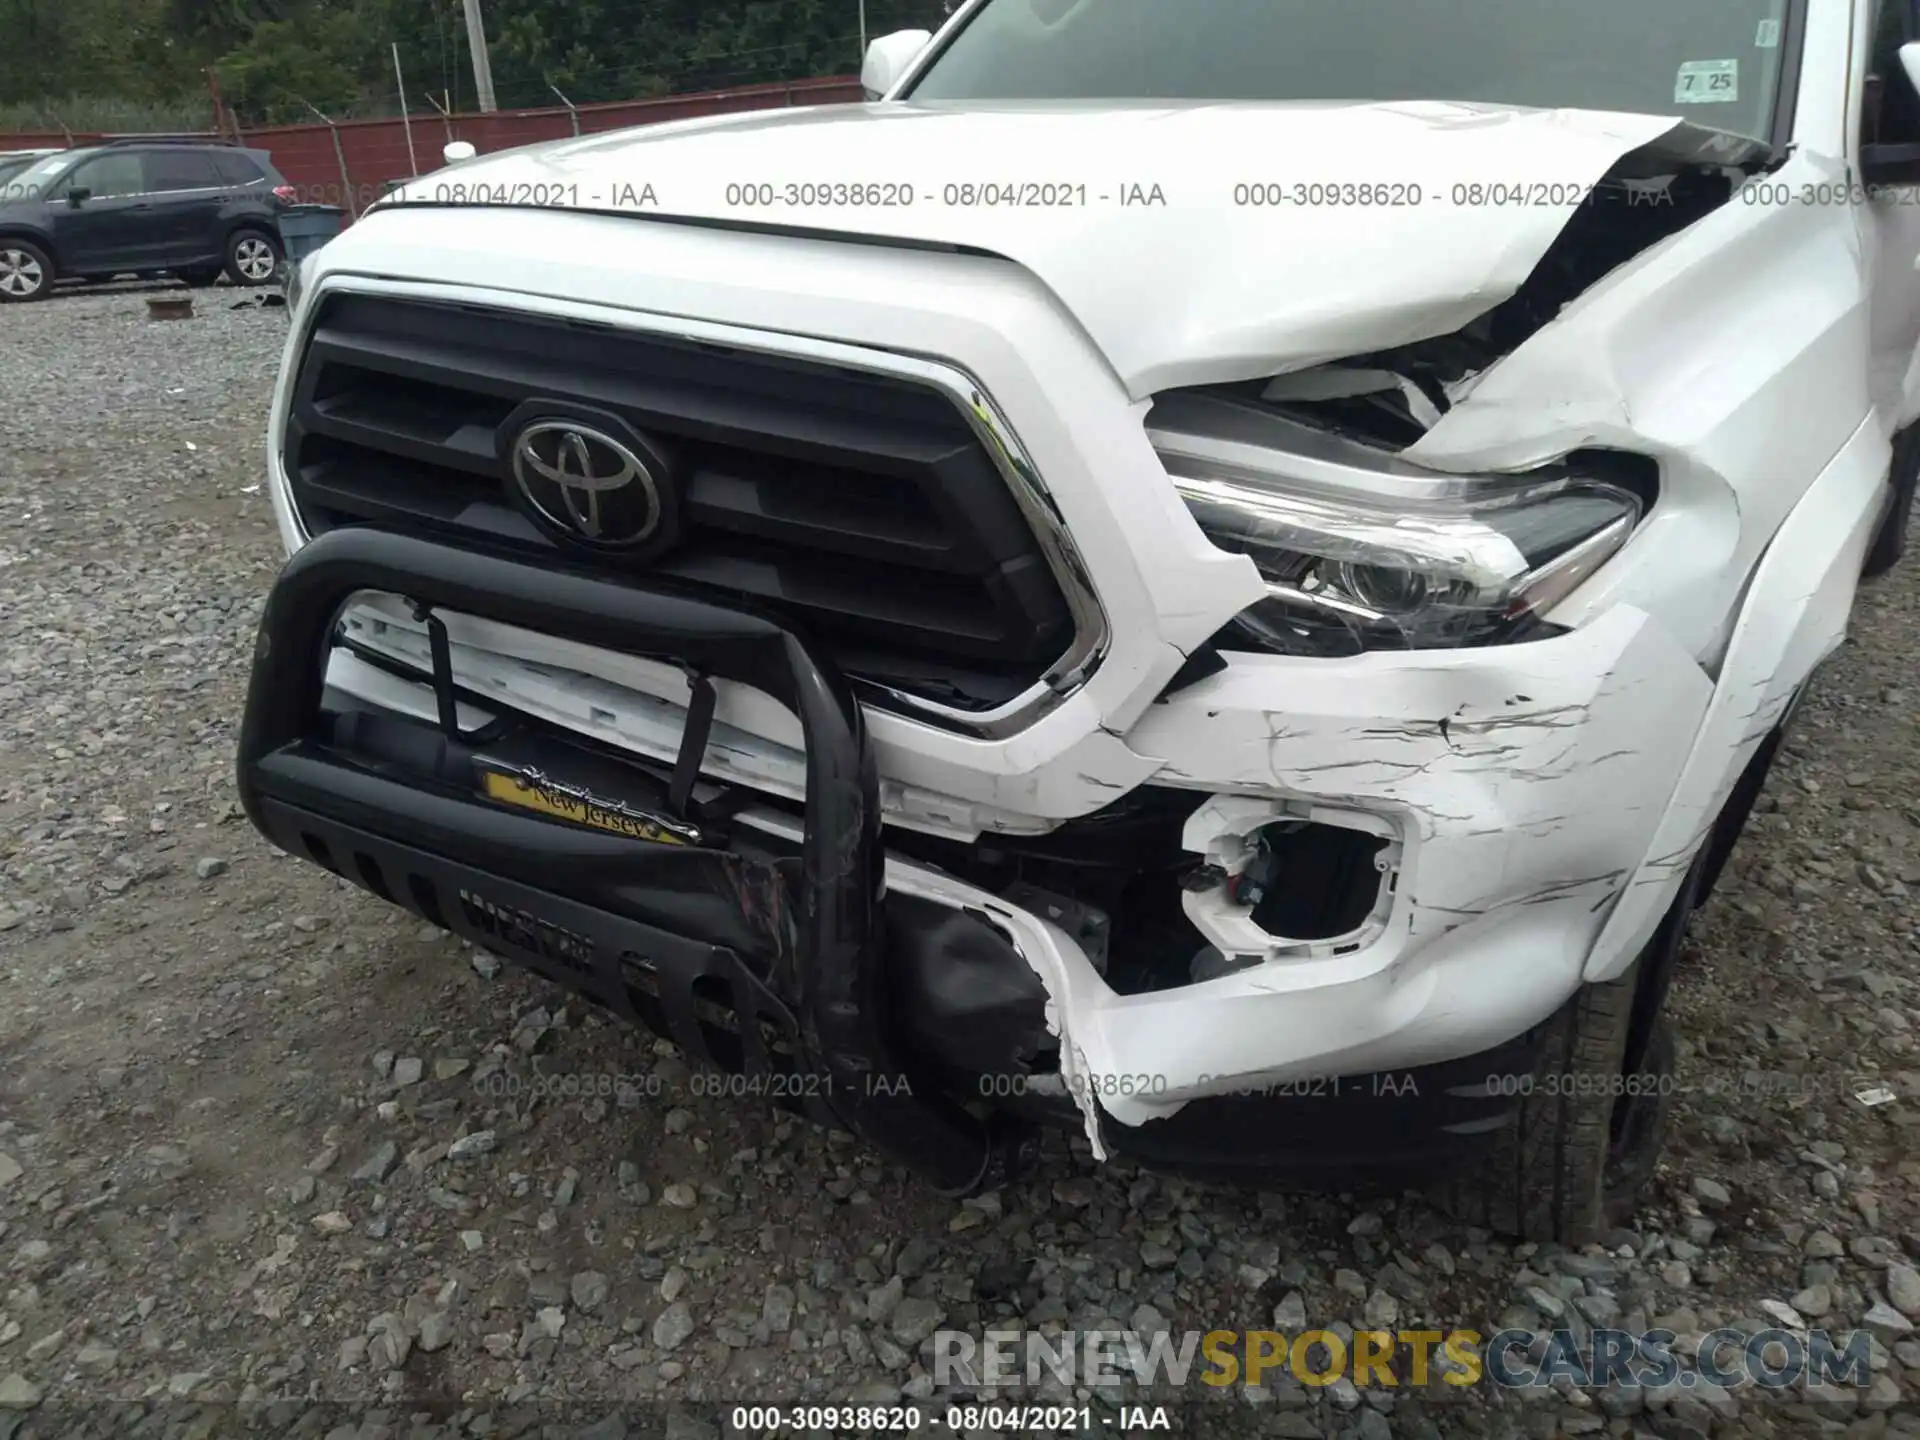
point(863, 32)
point(482, 64)
point(340, 154)
point(219, 110)
point(446, 115)
point(572, 114)
point(406, 120)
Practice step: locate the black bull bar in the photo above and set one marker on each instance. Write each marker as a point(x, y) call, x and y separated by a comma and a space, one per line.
point(815, 1002)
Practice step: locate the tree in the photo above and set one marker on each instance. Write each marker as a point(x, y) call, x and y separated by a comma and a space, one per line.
point(276, 56)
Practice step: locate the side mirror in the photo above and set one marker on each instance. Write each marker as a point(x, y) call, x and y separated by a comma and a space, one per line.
point(1896, 164)
point(78, 196)
point(458, 150)
point(888, 59)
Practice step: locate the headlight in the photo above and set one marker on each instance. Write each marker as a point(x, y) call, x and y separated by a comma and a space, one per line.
point(1361, 552)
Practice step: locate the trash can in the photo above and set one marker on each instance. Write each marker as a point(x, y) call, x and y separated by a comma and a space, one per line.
point(305, 228)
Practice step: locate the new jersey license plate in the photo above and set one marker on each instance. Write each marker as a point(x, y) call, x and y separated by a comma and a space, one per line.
point(531, 790)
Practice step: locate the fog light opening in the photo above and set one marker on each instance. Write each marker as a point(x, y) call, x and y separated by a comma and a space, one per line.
point(1286, 880)
point(1309, 881)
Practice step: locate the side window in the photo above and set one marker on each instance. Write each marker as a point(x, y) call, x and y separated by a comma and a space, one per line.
point(235, 168)
point(180, 170)
point(117, 173)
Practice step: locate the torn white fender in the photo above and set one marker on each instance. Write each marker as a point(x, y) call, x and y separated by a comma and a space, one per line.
point(1690, 353)
point(1795, 615)
point(1526, 782)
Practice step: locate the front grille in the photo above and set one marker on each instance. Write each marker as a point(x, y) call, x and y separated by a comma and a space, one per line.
point(861, 508)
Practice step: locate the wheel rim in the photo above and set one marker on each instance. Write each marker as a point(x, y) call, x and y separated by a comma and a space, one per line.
point(254, 259)
point(20, 273)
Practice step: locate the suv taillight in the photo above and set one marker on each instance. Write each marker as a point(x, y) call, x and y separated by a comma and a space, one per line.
point(286, 194)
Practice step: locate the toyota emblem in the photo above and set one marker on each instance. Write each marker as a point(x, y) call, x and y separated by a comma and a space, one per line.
point(587, 484)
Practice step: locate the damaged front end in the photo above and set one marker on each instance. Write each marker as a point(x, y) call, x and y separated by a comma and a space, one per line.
point(1392, 398)
point(1278, 868)
point(942, 998)
point(1214, 983)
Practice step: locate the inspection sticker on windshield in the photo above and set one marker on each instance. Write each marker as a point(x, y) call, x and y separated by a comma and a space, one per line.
point(1769, 36)
point(1707, 82)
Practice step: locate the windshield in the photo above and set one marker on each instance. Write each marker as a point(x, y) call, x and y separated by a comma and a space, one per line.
point(1717, 62)
point(31, 183)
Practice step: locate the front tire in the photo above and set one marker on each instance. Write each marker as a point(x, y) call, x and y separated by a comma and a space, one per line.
point(1639, 1127)
point(253, 258)
point(1890, 540)
point(1585, 1141)
point(1546, 1178)
point(26, 272)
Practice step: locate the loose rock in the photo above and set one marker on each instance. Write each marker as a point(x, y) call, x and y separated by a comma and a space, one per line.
point(472, 1147)
point(436, 1331)
point(589, 1290)
point(674, 1326)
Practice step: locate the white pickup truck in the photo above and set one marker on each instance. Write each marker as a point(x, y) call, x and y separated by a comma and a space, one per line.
point(1223, 574)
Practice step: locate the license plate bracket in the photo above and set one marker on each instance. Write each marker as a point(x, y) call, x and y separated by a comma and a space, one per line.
point(528, 789)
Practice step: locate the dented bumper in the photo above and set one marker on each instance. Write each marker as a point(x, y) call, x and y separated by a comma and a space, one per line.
point(1515, 791)
point(1526, 784)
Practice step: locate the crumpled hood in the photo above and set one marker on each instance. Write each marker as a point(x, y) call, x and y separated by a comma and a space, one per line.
point(1184, 286)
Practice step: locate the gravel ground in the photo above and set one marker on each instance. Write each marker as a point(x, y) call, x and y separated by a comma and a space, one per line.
point(262, 1137)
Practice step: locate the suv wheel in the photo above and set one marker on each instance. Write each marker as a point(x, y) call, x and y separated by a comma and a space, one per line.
point(25, 272)
point(253, 257)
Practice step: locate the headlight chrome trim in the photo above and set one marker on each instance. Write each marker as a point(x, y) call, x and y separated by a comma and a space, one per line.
point(1362, 551)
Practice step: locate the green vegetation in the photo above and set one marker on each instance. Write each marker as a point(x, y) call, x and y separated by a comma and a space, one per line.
point(124, 65)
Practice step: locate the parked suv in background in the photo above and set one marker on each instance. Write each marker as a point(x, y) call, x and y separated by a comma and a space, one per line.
point(197, 210)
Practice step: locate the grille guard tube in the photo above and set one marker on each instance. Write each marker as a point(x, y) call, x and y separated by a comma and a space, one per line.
point(837, 980)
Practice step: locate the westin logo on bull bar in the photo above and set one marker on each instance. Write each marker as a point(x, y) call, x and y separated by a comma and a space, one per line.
point(529, 933)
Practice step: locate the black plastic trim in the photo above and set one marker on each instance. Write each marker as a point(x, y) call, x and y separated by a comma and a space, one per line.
point(1786, 97)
